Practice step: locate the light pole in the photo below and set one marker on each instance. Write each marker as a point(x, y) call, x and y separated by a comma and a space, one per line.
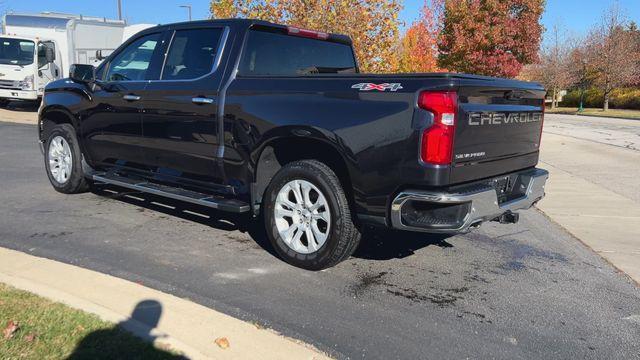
point(119, 9)
point(188, 8)
point(583, 84)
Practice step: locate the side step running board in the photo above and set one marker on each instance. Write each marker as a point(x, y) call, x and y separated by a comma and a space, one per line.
point(193, 197)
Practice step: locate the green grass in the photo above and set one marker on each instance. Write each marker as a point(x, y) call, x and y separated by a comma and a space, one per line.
point(49, 330)
point(615, 113)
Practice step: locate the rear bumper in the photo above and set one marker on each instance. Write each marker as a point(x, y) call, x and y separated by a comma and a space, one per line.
point(478, 205)
point(18, 94)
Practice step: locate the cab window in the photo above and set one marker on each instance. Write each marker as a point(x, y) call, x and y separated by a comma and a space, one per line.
point(192, 54)
point(42, 52)
point(133, 62)
point(275, 54)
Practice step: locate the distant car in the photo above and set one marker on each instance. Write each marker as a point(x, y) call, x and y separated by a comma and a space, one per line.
point(276, 122)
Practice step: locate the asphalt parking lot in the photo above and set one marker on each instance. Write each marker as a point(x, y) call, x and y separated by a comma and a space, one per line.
point(529, 290)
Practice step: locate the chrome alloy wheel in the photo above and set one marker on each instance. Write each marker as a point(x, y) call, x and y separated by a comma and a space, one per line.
point(302, 216)
point(60, 159)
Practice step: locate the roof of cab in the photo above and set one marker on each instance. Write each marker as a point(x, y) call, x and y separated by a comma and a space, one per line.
point(237, 22)
point(196, 23)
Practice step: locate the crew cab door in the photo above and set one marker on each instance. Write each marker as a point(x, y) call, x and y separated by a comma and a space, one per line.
point(180, 123)
point(112, 128)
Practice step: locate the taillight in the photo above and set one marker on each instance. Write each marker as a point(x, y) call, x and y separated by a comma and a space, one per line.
point(312, 34)
point(437, 140)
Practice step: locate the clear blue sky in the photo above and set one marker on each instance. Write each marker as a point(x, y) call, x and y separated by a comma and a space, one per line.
point(575, 15)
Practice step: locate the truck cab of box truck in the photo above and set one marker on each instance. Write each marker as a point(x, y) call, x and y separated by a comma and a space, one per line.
point(26, 66)
point(36, 49)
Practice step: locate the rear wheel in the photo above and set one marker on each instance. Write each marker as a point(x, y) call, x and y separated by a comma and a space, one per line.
point(308, 217)
point(63, 160)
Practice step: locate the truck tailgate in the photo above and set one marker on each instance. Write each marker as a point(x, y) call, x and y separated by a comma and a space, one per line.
point(498, 128)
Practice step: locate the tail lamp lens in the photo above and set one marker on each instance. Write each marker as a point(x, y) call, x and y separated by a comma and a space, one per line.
point(437, 140)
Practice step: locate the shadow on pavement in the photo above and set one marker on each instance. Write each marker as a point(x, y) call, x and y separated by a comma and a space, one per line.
point(22, 106)
point(392, 244)
point(376, 244)
point(115, 343)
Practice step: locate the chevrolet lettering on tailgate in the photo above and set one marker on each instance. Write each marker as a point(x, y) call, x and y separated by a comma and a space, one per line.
point(484, 118)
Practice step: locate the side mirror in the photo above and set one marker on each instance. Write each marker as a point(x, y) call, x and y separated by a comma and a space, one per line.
point(99, 55)
point(82, 73)
point(50, 55)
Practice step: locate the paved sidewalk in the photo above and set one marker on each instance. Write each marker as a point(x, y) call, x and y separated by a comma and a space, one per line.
point(593, 193)
point(183, 326)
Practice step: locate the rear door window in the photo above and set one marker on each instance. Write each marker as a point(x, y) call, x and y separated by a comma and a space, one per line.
point(192, 54)
point(277, 54)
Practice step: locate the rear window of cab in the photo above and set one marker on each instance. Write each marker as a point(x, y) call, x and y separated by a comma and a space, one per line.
point(277, 54)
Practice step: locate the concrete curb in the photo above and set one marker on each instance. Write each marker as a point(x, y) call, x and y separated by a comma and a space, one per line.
point(594, 115)
point(183, 326)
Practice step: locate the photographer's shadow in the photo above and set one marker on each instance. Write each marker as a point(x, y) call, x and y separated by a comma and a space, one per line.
point(130, 339)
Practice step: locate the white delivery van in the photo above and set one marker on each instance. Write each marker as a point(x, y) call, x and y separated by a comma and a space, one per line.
point(128, 32)
point(36, 49)
point(133, 29)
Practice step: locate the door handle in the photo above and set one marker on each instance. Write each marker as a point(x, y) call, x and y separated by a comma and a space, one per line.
point(131, 97)
point(202, 100)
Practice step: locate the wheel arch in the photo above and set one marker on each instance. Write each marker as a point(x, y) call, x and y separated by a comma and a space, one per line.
point(54, 115)
point(279, 151)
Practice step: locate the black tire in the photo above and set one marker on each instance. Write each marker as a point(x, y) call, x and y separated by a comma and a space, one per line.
point(76, 182)
point(343, 235)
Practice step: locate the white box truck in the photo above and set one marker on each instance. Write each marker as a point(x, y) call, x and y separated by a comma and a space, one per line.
point(36, 49)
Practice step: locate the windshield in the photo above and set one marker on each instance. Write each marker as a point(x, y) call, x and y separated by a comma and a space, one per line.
point(16, 51)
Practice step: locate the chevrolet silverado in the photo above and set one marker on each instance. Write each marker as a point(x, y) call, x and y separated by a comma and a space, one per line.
point(277, 122)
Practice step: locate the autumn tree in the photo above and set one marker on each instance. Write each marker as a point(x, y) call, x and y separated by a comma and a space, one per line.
point(371, 24)
point(419, 46)
point(613, 52)
point(490, 37)
point(557, 68)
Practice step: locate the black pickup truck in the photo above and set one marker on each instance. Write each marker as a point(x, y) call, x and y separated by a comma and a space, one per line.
point(277, 122)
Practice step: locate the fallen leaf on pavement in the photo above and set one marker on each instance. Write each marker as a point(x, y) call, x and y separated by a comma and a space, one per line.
point(30, 337)
point(11, 329)
point(222, 342)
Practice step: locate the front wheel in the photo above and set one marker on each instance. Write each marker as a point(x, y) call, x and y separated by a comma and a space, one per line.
point(308, 218)
point(63, 160)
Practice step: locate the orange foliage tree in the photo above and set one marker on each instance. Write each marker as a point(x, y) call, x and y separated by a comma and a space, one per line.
point(419, 47)
point(372, 24)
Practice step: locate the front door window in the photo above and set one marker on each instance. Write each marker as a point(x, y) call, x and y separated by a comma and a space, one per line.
point(132, 63)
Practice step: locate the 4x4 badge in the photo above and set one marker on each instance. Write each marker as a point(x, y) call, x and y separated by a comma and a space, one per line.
point(378, 87)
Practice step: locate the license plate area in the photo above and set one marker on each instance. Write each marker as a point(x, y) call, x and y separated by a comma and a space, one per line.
point(508, 187)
